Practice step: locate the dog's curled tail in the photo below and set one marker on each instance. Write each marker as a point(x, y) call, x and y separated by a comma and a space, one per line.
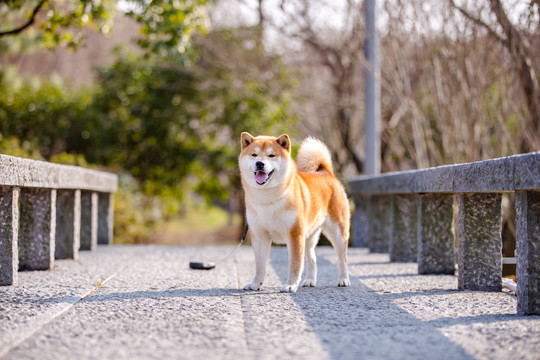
point(313, 156)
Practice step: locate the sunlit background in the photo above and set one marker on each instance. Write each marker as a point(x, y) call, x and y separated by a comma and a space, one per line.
point(159, 92)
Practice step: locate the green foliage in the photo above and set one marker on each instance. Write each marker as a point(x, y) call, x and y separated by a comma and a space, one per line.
point(166, 25)
point(173, 127)
point(243, 89)
point(14, 147)
point(138, 122)
point(180, 124)
point(65, 20)
point(44, 114)
point(58, 22)
point(136, 216)
point(71, 159)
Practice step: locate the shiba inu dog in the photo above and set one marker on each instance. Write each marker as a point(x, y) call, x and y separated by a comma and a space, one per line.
point(291, 203)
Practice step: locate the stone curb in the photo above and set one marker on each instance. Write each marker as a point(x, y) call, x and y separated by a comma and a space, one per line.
point(518, 172)
point(21, 172)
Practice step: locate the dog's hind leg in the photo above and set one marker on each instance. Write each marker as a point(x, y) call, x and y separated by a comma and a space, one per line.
point(311, 257)
point(334, 233)
point(261, 250)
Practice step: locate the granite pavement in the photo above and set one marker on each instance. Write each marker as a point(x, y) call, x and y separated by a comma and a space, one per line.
point(143, 302)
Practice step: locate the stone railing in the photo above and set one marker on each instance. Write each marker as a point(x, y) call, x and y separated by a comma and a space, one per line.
point(410, 215)
point(50, 211)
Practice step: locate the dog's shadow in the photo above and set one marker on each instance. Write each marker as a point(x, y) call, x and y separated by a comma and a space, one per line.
point(357, 322)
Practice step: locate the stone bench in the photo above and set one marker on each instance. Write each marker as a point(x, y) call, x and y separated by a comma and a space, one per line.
point(50, 211)
point(410, 215)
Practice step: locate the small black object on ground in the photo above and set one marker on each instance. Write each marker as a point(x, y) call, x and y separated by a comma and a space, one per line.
point(196, 265)
point(201, 265)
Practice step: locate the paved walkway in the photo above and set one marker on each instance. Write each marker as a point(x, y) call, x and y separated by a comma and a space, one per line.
point(142, 302)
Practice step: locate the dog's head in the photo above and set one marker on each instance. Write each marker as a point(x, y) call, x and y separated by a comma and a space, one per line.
point(264, 160)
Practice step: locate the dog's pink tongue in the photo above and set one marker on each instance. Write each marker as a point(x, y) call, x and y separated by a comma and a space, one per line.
point(260, 177)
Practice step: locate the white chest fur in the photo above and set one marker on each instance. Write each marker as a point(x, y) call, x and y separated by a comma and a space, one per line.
point(272, 220)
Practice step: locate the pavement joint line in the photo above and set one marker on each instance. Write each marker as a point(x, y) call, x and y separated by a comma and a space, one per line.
point(160, 306)
point(103, 282)
point(239, 286)
point(8, 349)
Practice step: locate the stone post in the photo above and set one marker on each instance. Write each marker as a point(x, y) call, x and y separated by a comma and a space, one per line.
point(105, 218)
point(380, 224)
point(37, 226)
point(362, 210)
point(403, 239)
point(528, 252)
point(89, 222)
point(9, 227)
point(480, 243)
point(435, 238)
point(68, 224)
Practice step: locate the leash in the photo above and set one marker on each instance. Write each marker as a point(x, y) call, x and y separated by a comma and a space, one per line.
point(208, 265)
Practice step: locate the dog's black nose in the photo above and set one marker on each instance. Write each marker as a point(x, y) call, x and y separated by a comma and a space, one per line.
point(259, 165)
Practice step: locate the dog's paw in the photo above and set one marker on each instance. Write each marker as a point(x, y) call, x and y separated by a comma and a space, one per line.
point(309, 283)
point(289, 288)
point(253, 286)
point(344, 282)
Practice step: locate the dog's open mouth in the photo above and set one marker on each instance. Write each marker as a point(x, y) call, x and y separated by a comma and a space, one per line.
point(262, 178)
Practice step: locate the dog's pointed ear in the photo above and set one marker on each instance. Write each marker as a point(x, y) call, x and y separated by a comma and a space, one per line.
point(284, 142)
point(246, 139)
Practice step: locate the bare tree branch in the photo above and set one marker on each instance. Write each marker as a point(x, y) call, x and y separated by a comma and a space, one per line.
point(28, 23)
point(518, 47)
point(325, 53)
point(537, 2)
point(260, 26)
point(478, 22)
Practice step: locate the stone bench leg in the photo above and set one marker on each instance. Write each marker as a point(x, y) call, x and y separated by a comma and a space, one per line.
point(480, 243)
point(105, 218)
point(37, 226)
point(68, 224)
point(360, 233)
point(528, 252)
point(435, 238)
point(404, 229)
point(380, 224)
point(9, 227)
point(89, 220)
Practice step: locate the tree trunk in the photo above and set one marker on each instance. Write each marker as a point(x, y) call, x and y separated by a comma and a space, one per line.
point(519, 49)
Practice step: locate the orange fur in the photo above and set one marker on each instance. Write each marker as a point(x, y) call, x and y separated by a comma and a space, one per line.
point(292, 207)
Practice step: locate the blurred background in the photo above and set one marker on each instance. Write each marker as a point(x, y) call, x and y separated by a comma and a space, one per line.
point(159, 92)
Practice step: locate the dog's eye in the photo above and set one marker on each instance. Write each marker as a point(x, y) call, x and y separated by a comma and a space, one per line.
point(254, 155)
point(272, 155)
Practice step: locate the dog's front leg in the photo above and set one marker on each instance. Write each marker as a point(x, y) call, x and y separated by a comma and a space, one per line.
point(295, 249)
point(261, 250)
